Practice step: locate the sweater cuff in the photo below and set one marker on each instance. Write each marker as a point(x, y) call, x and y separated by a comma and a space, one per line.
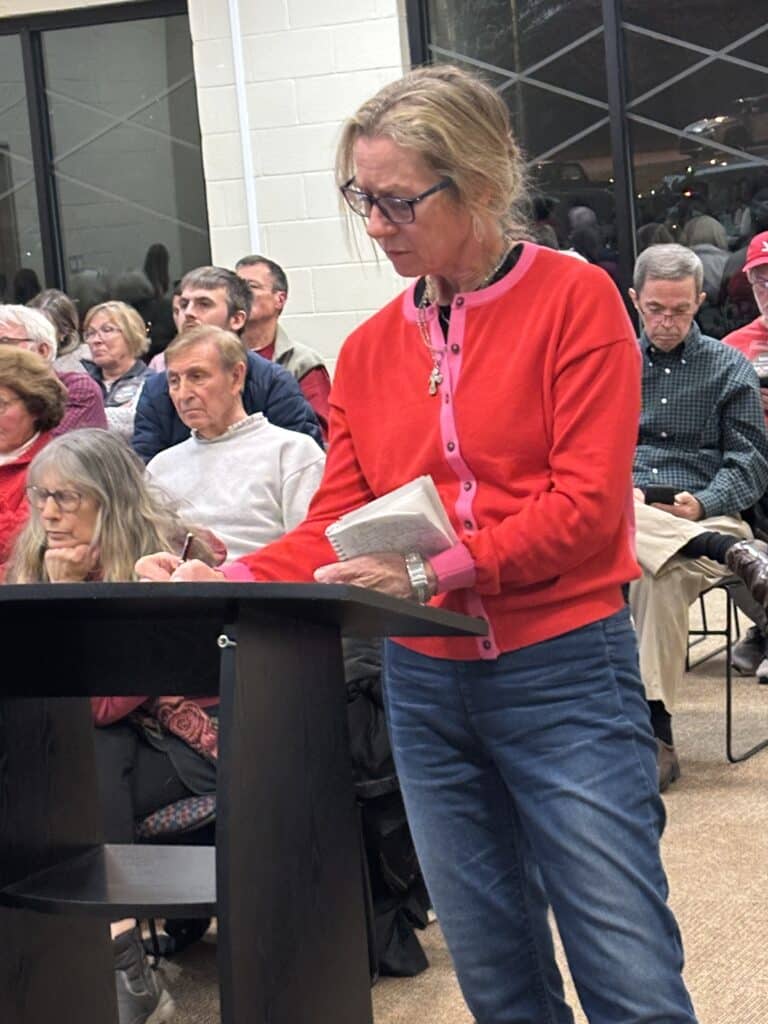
point(454, 568)
point(237, 572)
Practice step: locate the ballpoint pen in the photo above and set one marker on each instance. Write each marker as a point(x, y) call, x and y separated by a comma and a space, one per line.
point(187, 545)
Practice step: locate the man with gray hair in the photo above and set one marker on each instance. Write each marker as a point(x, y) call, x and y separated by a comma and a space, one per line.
point(29, 329)
point(238, 474)
point(701, 459)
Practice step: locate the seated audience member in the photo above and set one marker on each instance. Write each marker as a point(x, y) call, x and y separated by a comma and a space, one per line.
point(736, 293)
point(750, 654)
point(92, 515)
point(752, 339)
point(702, 434)
point(653, 234)
point(707, 238)
point(32, 401)
point(250, 482)
point(215, 296)
point(61, 311)
point(264, 334)
point(245, 478)
point(117, 338)
point(30, 329)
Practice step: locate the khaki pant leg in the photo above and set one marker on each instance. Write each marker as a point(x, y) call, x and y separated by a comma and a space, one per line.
point(661, 598)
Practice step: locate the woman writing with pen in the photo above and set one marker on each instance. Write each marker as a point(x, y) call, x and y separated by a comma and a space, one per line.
point(92, 514)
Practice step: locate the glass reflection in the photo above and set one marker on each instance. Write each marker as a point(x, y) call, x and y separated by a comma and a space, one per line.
point(698, 114)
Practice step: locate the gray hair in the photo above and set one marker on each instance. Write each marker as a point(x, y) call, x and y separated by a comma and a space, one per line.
point(134, 517)
point(667, 262)
point(37, 327)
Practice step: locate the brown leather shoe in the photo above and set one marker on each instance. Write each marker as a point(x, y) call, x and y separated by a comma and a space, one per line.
point(669, 766)
point(748, 559)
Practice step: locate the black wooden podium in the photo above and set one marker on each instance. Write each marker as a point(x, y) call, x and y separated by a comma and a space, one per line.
point(285, 877)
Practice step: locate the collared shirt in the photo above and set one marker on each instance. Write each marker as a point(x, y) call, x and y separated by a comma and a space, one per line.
point(702, 427)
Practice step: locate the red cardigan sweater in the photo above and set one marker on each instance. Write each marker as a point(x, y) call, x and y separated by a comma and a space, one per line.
point(530, 443)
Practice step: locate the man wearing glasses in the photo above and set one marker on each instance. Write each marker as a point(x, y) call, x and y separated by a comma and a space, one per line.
point(750, 655)
point(752, 339)
point(701, 459)
point(32, 330)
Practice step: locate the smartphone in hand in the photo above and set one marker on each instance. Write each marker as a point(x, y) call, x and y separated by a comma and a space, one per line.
point(656, 494)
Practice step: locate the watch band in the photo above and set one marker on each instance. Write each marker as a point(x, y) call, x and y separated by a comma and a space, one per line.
point(416, 568)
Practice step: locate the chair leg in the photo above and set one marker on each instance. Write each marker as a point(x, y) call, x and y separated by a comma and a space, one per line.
point(155, 941)
point(731, 614)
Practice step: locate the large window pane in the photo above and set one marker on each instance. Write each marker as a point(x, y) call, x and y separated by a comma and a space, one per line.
point(126, 144)
point(548, 61)
point(698, 111)
point(20, 246)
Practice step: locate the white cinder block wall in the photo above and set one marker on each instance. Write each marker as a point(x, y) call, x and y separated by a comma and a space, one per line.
point(307, 65)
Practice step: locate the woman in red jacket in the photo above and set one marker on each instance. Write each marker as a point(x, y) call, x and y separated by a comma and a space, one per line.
point(510, 374)
point(32, 402)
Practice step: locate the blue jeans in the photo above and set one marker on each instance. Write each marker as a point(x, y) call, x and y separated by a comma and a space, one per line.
point(531, 781)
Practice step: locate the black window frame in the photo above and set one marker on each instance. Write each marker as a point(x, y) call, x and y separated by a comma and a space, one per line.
point(615, 65)
point(29, 29)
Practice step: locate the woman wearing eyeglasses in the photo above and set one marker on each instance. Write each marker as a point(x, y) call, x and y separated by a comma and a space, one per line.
point(92, 515)
point(32, 403)
point(510, 373)
point(117, 337)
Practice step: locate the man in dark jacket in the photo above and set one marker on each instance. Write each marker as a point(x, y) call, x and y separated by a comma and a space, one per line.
point(212, 295)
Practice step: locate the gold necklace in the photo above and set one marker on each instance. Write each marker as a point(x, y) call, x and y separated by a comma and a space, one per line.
point(428, 298)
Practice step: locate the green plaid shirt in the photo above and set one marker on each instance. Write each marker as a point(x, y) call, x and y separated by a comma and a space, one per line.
point(702, 427)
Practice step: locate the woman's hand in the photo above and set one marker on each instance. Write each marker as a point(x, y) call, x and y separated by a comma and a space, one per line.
point(385, 572)
point(164, 567)
point(70, 565)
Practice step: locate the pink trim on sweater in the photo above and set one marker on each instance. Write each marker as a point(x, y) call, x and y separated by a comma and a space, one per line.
point(237, 572)
point(454, 568)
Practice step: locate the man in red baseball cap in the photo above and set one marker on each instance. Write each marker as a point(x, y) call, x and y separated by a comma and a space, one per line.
point(752, 339)
point(750, 655)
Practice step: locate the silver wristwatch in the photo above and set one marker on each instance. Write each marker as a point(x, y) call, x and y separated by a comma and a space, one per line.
point(416, 568)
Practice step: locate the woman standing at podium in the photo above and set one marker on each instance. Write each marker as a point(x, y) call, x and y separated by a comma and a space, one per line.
point(510, 374)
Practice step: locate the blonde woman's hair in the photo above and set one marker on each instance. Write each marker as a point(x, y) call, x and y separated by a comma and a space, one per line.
point(133, 328)
point(134, 519)
point(34, 381)
point(460, 127)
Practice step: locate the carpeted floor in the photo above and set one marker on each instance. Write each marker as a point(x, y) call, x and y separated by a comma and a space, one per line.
point(715, 851)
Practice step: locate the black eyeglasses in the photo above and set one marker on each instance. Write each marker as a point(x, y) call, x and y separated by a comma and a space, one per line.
point(68, 501)
point(396, 209)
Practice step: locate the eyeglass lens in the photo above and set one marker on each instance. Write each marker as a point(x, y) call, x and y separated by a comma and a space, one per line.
point(67, 501)
point(106, 331)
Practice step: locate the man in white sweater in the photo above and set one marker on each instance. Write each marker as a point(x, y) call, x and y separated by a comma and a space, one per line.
point(238, 474)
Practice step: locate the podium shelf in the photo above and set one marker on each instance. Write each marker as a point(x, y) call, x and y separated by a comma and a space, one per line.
point(115, 881)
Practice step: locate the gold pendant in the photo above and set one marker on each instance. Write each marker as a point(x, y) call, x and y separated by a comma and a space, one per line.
point(435, 380)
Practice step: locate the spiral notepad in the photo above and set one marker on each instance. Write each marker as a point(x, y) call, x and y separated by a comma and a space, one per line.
point(411, 518)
